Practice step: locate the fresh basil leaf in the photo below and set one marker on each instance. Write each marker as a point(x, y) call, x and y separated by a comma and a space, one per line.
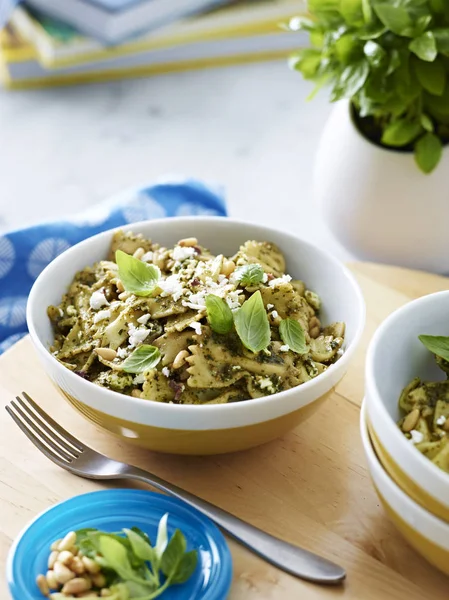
point(431, 75)
point(251, 323)
point(427, 122)
point(186, 567)
point(292, 334)
point(249, 274)
point(395, 18)
point(424, 46)
point(352, 12)
point(162, 537)
point(139, 546)
point(428, 152)
point(437, 344)
point(374, 53)
point(219, 315)
point(173, 554)
point(137, 277)
point(351, 81)
point(143, 358)
point(115, 556)
point(401, 132)
point(441, 36)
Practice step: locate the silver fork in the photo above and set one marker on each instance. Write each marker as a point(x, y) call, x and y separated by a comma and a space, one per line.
point(69, 453)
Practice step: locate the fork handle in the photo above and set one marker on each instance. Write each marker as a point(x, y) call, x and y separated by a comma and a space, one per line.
point(285, 556)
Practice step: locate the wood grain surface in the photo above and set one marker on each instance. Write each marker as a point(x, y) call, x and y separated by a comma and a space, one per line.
point(311, 487)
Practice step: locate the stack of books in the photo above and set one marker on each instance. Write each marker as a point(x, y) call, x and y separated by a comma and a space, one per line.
point(54, 42)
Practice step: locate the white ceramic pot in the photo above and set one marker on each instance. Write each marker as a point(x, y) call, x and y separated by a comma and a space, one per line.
point(376, 201)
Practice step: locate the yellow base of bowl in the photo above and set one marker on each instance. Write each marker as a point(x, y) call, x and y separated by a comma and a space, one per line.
point(434, 554)
point(196, 442)
point(413, 491)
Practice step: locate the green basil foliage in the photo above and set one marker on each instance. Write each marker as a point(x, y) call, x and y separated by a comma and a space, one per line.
point(219, 314)
point(249, 274)
point(251, 323)
point(143, 358)
point(390, 58)
point(292, 334)
point(137, 277)
point(133, 567)
point(437, 344)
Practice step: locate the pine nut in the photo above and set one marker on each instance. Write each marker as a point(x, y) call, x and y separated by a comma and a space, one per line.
point(106, 353)
point(68, 541)
point(42, 585)
point(76, 586)
point(105, 592)
point(120, 287)
point(51, 580)
point(139, 253)
point(55, 545)
point(180, 359)
point(446, 425)
point(188, 242)
point(228, 267)
point(52, 559)
point(99, 580)
point(91, 566)
point(65, 557)
point(62, 573)
point(89, 594)
point(77, 565)
point(136, 393)
point(123, 296)
point(411, 420)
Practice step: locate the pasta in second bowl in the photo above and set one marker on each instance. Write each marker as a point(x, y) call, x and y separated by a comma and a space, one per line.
point(195, 349)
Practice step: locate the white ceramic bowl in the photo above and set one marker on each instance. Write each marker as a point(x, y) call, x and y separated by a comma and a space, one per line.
point(395, 356)
point(192, 429)
point(425, 532)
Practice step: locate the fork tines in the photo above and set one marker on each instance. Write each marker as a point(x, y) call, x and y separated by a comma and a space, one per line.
point(51, 439)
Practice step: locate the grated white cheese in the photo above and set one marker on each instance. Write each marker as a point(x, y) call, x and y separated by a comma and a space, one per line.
point(417, 437)
point(274, 314)
point(232, 299)
point(264, 278)
point(279, 280)
point(441, 420)
point(143, 320)
point(171, 287)
point(182, 252)
point(122, 352)
point(284, 348)
point(166, 371)
point(196, 327)
point(270, 306)
point(147, 257)
point(101, 315)
point(97, 300)
point(138, 379)
point(137, 335)
point(266, 384)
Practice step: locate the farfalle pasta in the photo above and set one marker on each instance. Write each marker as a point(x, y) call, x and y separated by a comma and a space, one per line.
point(182, 325)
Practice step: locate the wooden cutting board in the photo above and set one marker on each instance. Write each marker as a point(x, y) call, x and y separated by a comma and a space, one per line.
point(311, 487)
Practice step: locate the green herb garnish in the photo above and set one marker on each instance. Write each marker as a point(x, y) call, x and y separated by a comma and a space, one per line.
point(143, 358)
point(134, 567)
point(251, 323)
point(219, 314)
point(292, 334)
point(249, 274)
point(137, 277)
point(437, 344)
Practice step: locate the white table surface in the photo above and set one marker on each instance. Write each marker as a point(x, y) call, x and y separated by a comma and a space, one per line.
point(247, 127)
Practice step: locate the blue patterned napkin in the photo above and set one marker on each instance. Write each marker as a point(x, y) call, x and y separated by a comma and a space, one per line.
point(24, 253)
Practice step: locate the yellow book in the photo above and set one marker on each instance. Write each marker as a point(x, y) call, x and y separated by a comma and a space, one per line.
point(58, 45)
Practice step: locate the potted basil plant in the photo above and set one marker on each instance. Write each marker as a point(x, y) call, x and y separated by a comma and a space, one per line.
point(382, 170)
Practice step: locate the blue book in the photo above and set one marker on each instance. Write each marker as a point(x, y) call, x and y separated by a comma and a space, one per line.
point(113, 21)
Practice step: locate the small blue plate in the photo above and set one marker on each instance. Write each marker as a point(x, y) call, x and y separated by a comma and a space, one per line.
point(111, 510)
